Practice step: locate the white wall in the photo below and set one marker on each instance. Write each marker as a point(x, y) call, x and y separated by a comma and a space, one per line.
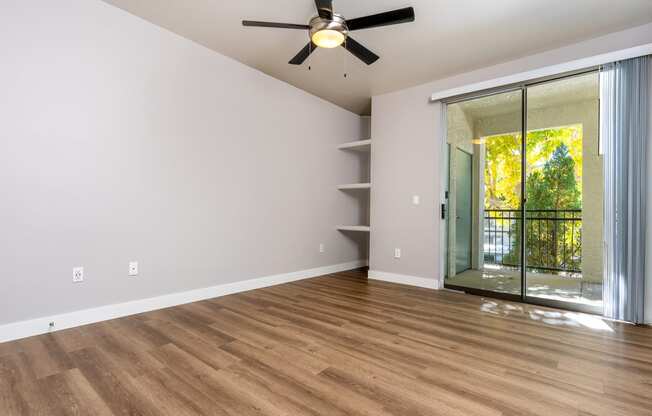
point(406, 158)
point(121, 141)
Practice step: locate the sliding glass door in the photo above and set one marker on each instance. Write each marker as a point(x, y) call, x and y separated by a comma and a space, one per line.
point(564, 193)
point(551, 177)
point(484, 194)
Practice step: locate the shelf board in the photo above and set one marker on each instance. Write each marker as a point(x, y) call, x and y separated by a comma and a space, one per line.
point(354, 186)
point(360, 228)
point(360, 145)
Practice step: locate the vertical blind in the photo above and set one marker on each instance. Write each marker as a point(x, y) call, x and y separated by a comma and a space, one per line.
point(624, 116)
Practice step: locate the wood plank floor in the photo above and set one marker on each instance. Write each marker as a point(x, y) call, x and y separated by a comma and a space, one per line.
point(335, 345)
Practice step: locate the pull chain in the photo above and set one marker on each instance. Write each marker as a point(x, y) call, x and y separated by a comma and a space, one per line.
point(346, 61)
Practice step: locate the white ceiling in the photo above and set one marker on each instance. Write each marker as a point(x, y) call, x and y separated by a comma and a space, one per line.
point(448, 37)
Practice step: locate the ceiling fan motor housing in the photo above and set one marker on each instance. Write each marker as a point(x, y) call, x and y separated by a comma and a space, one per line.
point(337, 23)
point(330, 30)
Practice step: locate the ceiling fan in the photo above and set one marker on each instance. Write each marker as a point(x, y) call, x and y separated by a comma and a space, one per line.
point(330, 30)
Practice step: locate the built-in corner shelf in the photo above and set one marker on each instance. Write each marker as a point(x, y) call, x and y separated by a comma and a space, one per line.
point(363, 147)
point(360, 145)
point(354, 186)
point(358, 228)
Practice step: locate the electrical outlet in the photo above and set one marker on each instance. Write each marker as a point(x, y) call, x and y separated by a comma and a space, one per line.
point(416, 199)
point(322, 248)
point(397, 253)
point(77, 274)
point(133, 268)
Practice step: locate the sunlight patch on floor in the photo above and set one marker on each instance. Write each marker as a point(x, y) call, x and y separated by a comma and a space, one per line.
point(550, 317)
point(572, 319)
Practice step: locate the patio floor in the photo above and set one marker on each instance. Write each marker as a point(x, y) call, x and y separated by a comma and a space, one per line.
point(542, 285)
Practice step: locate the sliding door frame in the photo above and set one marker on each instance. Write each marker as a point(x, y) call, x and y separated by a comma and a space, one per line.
point(523, 87)
point(523, 247)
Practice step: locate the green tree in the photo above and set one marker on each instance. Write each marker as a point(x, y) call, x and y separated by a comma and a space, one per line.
point(503, 162)
point(555, 186)
point(551, 191)
point(554, 174)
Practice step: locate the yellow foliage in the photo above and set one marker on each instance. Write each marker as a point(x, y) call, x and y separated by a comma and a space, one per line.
point(503, 161)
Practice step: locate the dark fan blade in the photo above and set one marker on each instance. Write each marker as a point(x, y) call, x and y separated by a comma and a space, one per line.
point(303, 54)
point(272, 24)
point(382, 19)
point(364, 54)
point(324, 8)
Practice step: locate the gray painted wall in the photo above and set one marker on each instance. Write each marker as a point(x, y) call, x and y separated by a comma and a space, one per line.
point(406, 159)
point(121, 141)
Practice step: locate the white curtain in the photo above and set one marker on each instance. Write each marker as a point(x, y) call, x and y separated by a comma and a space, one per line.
point(624, 118)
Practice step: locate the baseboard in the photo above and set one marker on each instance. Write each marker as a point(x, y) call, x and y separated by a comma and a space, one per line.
point(404, 279)
point(23, 329)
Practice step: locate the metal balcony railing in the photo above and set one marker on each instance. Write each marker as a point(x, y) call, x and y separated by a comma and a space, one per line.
point(554, 239)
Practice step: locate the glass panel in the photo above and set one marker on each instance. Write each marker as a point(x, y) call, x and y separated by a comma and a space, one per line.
point(564, 192)
point(463, 232)
point(484, 193)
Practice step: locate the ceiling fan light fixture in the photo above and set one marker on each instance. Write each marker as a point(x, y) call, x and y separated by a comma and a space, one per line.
point(328, 38)
point(330, 30)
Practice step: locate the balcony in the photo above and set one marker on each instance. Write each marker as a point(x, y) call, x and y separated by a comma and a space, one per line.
point(554, 257)
point(554, 240)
